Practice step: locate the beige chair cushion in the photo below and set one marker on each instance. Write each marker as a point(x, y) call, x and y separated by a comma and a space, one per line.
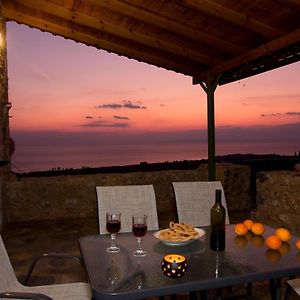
point(195, 199)
point(128, 200)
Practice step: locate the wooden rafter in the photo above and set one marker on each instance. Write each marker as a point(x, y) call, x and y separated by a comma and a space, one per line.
point(221, 12)
point(267, 48)
point(104, 25)
point(293, 4)
point(88, 36)
point(196, 38)
point(168, 24)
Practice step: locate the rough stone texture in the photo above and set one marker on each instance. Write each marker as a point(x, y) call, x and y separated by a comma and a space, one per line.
point(4, 136)
point(1, 221)
point(278, 199)
point(73, 197)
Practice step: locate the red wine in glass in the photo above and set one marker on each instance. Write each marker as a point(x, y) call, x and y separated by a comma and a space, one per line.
point(113, 226)
point(139, 230)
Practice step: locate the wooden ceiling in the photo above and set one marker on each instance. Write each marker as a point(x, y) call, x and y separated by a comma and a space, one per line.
point(198, 38)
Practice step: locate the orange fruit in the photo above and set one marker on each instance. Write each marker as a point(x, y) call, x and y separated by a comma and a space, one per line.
point(248, 223)
point(283, 234)
point(298, 244)
point(284, 248)
point(273, 242)
point(258, 228)
point(240, 229)
point(273, 255)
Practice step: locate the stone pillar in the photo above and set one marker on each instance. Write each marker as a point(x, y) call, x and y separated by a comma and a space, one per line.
point(4, 108)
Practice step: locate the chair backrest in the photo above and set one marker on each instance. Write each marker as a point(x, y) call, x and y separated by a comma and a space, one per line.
point(128, 200)
point(295, 284)
point(195, 199)
point(8, 280)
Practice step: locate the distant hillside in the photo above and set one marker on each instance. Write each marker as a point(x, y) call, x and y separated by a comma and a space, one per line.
point(257, 161)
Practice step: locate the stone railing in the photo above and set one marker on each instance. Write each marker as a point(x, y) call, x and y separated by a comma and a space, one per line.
point(278, 199)
point(74, 196)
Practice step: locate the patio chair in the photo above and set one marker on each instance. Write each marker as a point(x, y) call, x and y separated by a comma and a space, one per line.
point(11, 288)
point(194, 201)
point(128, 200)
point(292, 284)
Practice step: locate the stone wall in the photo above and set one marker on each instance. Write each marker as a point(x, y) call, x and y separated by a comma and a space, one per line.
point(1, 214)
point(4, 105)
point(74, 196)
point(278, 199)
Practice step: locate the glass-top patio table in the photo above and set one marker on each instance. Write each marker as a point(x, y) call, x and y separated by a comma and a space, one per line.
point(124, 276)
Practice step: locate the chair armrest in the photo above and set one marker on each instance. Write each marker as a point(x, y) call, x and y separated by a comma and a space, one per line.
point(48, 255)
point(24, 295)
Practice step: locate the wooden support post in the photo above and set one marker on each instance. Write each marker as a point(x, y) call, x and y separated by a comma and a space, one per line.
point(209, 87)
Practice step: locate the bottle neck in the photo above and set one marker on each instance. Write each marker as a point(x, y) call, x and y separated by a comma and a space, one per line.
point(218, 201)
point(218, 196)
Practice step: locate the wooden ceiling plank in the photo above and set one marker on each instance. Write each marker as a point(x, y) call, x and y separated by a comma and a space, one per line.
point(168, 24)
point(268, 48)
point(113, 29)
point(135, 14)
point(293, 4)
point(83, 37)
point(226, 14)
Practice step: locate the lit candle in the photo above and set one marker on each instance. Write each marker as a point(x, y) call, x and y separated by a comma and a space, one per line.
point(174, 265)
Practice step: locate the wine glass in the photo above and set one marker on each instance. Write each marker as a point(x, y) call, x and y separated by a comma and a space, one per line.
point(139, 229)
point(113, 226)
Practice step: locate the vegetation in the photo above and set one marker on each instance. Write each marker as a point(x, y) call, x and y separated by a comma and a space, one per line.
point(258, 162)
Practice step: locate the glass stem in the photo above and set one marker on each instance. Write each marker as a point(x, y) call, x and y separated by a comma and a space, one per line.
point(113, 237)
point(139, 239)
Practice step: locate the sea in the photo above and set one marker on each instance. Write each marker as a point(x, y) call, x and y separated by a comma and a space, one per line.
point(40, 158)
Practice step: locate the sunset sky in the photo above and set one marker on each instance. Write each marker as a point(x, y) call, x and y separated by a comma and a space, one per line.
point(58, 85)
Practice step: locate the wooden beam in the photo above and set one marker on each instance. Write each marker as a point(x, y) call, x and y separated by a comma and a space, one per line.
point(226, 14)
point(268, 48)
point(293, 4)
point(168, 24)
point(209, 86)
point(103, 25)
point(91, 37)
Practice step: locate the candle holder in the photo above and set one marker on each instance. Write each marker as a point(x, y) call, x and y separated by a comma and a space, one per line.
point(174, 265)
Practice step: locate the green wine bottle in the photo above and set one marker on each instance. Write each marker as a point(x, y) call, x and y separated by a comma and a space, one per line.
point(217, 224)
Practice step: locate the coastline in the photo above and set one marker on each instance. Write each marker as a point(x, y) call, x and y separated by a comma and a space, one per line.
point(258, 161)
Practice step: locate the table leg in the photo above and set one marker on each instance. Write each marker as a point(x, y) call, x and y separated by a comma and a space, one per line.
point(288, 292)
point(193, 296)
point(249, 289)
point(275, 288)
point(203, 295)
point(219, 294)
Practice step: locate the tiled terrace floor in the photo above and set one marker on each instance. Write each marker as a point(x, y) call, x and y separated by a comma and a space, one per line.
point(24, 241)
